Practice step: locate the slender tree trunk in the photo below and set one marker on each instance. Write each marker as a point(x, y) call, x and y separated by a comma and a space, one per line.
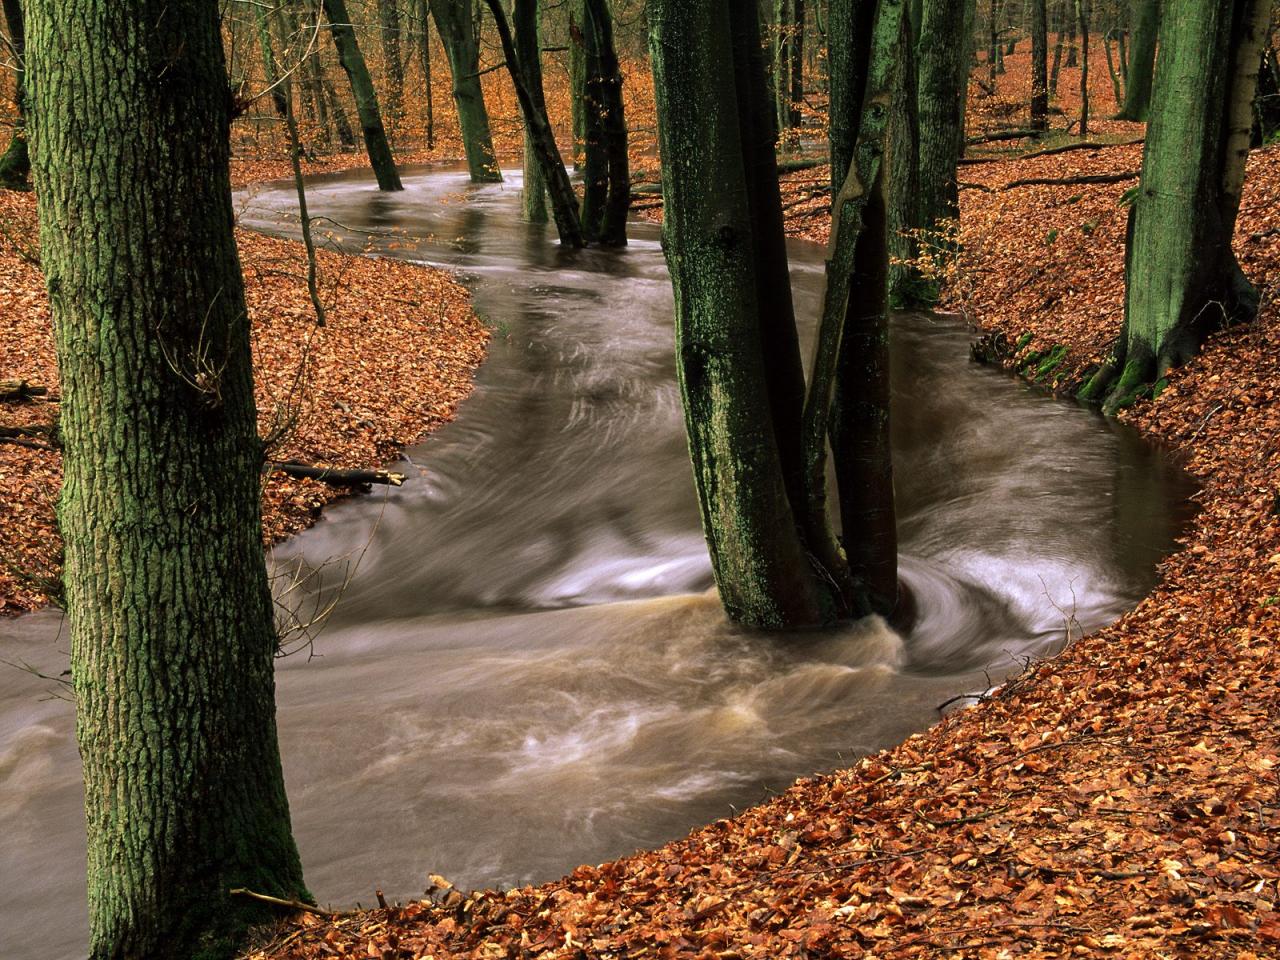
point(352, 60)
point(346, 136)
point(455, 20)
point(389, 30)
point(907, 288)
point(1182, 277)
point(1039, 65)
point(857, 422)
point(278, 98)
point(797, 63)
point(1084, 11)
point(170, 614)
point(595, 161)
point(993, 47)
point(543, 141)
point(424, 52)
point(533, 196)
point(578, 82)
point(1145, 17)
point(1073, 51)
point(1113, 68)
point(612, 126)
point(1062, 15)
point(15, 164)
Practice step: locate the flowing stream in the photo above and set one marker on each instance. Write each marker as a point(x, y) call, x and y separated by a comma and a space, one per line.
point(528, 669)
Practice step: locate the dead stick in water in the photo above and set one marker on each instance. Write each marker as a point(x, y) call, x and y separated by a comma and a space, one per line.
point(283, 903)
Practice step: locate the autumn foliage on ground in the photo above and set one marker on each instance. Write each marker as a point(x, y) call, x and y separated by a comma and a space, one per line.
point(393, 361)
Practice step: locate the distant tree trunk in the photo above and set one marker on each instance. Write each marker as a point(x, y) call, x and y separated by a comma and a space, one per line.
point(15, 164)
point(610, 124)
point(1182, 277)
point(1113, 68)
point(389, 29)
point(797, 62)
point(1145, 17)
point(1062, 14)
point(993, 47)
point(1073, 51)
point(169, 610)
point(943, 88)
point(352, 60)
point(540, 137)
point(424, 52)
point(345, 135)
point(1039, 65)
point(1084, 10)
point(533, 194)
point(578, 82)
point(279, 100)
point(455, 20)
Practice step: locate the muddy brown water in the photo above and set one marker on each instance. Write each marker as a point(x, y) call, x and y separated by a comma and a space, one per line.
point(527, 669)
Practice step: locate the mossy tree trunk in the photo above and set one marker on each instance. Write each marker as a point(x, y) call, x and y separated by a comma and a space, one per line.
point(907, 287)
point(456, 22)
point(15, 163)
point(170, 615)
point(352, 60)
point(1182, 278)
point(524, 21)
point(537, 127)
point(757, 440)
point(1145, 25)
point(1039, 65)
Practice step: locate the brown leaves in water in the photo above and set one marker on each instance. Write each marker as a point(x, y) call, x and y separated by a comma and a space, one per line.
point(393, 362)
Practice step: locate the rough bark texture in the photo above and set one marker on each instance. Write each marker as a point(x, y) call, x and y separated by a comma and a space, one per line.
point(1145, 24)
point(1182, 276)
point(543, 141)
point(524, 21)
point(15, 162)
point(352, 60)
point(455, 19)
point(903, 177)
point(943, 74)
point(761, 568)
point(1039, 65)
point(168, 605)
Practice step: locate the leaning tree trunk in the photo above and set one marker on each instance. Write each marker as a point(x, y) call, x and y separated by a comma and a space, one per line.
point(761, 567)
point(455, 21)
point(1039, 65)
point(1145, 17)
point(352, 60)
point(533, 194)
point(345, 135)
point(170, 615)
point(1182, 278)
point(15, 163)
point(538, 128)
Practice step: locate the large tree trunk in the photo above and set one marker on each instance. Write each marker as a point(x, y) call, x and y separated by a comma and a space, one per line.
point(1145, 17)
point(538, 129)
point(761, 567)
point(15, 163)
point(1182, 278)
point(1039, 65)
point(943, 87)
point(352, 60)
point(170, 614)
point(533, 194)
point(907, 288)
point(455, 20)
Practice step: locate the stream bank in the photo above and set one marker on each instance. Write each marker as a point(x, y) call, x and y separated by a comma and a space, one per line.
point(1121, 796)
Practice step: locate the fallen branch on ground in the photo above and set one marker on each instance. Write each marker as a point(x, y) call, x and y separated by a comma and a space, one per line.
point(21, 390)
point(335, 476)
point(1055, 181)
point(282, 903)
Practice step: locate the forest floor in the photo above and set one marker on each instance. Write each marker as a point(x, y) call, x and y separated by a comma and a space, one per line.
point(393, 361)
point(1121, 799)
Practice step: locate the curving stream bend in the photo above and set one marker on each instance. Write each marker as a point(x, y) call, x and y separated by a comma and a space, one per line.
point(527, 670)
